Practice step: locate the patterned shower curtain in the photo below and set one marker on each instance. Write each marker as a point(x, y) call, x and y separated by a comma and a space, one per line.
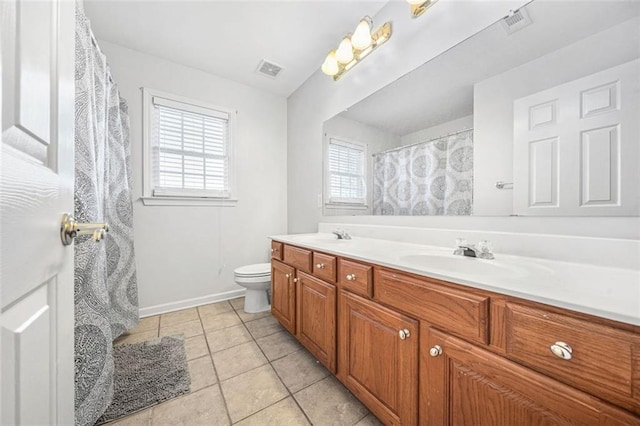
point(430, 178)
point(106, 292)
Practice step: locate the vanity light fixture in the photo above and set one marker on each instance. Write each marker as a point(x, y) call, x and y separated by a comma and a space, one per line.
point(355, 47)
point(418, 7)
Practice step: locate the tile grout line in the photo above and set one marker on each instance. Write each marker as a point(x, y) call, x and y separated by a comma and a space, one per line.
point(289, 394)
point(215, 370)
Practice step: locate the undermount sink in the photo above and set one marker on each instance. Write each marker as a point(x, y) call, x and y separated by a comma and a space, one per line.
point(452, 263)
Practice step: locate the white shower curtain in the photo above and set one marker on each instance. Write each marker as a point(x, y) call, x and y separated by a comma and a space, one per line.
point(430, 178)
point(106, 293)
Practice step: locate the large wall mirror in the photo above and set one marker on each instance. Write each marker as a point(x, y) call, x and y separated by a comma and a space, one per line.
point(538, 114)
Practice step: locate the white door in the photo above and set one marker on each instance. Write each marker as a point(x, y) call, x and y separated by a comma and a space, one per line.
point(577, 147)
point(36, 188)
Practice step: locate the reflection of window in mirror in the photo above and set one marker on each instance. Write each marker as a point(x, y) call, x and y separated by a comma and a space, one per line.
point(346, 174)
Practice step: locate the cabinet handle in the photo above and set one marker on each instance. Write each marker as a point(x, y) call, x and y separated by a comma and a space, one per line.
point(351, 277)
point(287, 276)
point(404, 334)
point(320, 265)
point(295, 280)
point(435, 351)
point(561, 350)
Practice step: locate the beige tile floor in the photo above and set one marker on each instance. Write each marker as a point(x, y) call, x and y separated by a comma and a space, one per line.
point(245, 370)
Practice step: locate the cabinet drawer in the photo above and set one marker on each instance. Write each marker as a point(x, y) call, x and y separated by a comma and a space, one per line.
point(276, 250)
point(461, 313)
point(355, 277)
point(298, 257)
point(324, 267)
point(604, 361)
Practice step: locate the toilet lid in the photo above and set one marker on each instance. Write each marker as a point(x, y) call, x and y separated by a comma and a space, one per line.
point(253, 270)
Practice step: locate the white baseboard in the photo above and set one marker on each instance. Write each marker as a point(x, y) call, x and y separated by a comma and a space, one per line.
point(190, 303)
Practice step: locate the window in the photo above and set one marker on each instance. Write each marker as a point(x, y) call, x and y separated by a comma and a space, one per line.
point(188, 147)
point(346, 172)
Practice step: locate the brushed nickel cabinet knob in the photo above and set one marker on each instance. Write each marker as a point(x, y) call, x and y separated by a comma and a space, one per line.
point(562, 350)
point(435, 351)
point(351, 277)
point(404, 334)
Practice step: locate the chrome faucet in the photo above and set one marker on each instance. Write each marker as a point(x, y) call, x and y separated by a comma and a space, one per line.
point(342, 234)
point(483, 251)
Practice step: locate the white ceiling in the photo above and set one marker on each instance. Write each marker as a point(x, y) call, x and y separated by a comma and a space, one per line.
point(229, 38)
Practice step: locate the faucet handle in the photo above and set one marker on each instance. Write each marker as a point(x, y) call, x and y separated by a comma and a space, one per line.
point(485, 249)
point(461, 242)
point(484, 246)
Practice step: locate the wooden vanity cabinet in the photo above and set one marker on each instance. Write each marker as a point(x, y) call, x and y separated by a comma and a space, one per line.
point(283, 294)
point(304, 304)
point(413, 348)
point(276, 250)
point(463, 384)
point(378, 358)
point(316, 318)
point(601, 360)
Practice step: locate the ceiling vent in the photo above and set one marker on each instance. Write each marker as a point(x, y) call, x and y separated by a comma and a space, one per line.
point(516, 20)
point(268, 69)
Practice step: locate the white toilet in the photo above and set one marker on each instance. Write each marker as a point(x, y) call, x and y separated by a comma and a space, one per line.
point(257, 280)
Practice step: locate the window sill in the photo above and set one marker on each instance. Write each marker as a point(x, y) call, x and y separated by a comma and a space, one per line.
point(346, 206)
point(189, 201)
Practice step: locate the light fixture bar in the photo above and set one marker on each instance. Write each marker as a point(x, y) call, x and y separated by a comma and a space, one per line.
point(378, 38)
point(418, 8)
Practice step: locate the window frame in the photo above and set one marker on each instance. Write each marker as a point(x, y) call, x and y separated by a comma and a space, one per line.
point(332, 204)
point(180, 196)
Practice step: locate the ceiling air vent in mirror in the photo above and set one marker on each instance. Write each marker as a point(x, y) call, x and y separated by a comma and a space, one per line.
point(268, 69)
point(516, 20)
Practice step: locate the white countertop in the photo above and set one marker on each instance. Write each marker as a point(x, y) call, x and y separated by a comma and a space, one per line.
point(612, 293)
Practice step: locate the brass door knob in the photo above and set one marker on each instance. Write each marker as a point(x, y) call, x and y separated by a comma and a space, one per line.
point(435, 351)
point(562, 350)
point(69, 229)
point(404, 334)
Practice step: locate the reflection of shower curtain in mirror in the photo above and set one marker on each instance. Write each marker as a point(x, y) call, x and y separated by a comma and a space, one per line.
point(430, 178)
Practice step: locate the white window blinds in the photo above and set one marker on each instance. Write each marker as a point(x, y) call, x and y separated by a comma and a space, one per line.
point(190, 150)
point(346, 172)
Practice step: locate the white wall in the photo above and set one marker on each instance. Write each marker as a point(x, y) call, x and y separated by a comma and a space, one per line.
point(462, 123)
point(414, 41)
point(376, 140)
point(493, 105)
point(186, 255)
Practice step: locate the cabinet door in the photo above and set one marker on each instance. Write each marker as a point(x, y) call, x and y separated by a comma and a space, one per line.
point(283, 295)
point(378, 365)
point(316, 318)
point(463, 384)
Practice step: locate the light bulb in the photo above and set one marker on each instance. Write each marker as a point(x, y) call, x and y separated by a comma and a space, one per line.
point(415, 2)
point(344, 54)
point(361, 38)
point(330, 65)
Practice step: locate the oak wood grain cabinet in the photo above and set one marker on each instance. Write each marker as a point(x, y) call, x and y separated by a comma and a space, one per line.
point(303, 303)
point(276, 250)
point(463, 384)
point(283, 295)
point(378, 358)
point(417, 349)
point(316, 318)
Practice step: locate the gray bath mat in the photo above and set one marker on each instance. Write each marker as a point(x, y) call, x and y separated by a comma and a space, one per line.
point(146, 374)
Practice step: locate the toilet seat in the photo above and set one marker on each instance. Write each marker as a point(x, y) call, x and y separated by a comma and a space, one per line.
point(253, 271)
